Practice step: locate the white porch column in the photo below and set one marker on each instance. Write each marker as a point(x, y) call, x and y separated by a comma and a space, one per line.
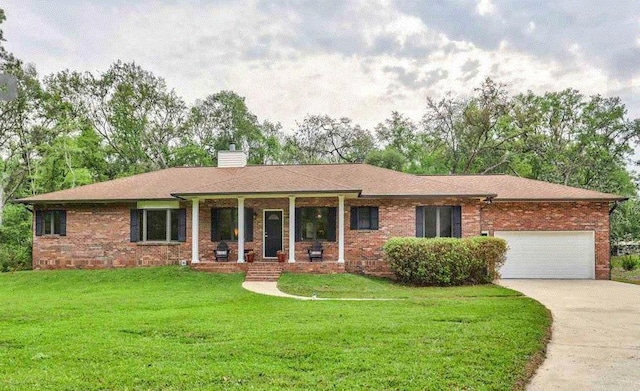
point(341, 229)
point(195, 230)
point(240, 229)
point(292, 229)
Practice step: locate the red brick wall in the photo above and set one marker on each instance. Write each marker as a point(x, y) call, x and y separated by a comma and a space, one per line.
point(98, 235)
point(548, 216)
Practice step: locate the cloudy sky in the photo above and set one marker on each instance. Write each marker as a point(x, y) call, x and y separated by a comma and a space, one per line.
point(360, 59)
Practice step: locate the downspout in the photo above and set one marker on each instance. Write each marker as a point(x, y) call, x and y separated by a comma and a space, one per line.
point(487, 202)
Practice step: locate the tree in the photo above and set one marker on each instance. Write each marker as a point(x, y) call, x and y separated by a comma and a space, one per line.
point(471, 135)
point(322, 139)
point(23, 127)
point(387, 158)
point(222, 119)
point(570, 139)
point(138, 118)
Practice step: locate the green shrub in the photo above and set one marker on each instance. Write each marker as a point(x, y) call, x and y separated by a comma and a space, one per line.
point(629, 262)
point(15, 238)
point(445, 261)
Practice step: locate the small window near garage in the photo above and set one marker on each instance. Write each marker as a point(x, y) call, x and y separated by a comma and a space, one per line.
point(316, 224)
point(438, 221)
point(364, 218)
point(158, 225)
point(51, 222)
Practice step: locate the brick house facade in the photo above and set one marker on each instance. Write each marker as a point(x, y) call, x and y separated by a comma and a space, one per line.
point(98, 220)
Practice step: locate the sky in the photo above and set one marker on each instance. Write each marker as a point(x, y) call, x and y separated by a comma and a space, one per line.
point(356, 59)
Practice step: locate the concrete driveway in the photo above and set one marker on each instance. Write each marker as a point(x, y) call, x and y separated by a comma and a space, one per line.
point(596, 334)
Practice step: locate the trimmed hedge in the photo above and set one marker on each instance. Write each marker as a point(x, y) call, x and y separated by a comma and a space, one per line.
point(445, 261)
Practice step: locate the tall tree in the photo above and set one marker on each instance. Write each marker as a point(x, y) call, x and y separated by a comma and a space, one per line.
point(23, 127)
point(139, 119)
point(322, 139)
point(574, 140)
point(472, 135)
point(222, 119)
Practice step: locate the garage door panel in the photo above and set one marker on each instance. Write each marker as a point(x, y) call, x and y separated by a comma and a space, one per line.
point(549, 254)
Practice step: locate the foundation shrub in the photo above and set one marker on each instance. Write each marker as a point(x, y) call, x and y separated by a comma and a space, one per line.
point(445, 261)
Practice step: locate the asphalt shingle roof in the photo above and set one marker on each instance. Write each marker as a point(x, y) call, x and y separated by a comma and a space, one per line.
point(362, 179)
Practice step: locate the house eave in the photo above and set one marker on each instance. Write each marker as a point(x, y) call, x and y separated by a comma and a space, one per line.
point(272, 194)
point(89, 201)
point(428, 196)
point(619, 199)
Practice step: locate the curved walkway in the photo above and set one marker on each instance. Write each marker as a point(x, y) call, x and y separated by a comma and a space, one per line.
point(271, 289)
point(595, 343)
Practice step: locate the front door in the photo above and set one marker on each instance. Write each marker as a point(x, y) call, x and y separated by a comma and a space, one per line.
point(272, 233)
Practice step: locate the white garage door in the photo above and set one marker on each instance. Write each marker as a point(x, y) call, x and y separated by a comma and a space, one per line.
point(549, 254)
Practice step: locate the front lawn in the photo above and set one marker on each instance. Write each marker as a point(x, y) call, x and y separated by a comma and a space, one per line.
point(619, 274)
point(355, 286)
point(175, 329)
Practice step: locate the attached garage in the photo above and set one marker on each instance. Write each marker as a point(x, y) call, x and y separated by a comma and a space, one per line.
point(549, 254)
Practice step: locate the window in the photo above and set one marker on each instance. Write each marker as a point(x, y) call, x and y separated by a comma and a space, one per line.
point(224, 224)
point(316, 224)
point(438, 221)
point(51, 222)
point(158, 225)
point(364, 217)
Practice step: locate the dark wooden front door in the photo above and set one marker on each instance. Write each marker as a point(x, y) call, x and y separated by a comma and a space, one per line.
point(272, 233)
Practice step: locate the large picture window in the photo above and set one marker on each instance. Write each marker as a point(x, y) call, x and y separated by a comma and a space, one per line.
point(316, 224)
point(158, 225)
point(224, 224)
point(438, 221)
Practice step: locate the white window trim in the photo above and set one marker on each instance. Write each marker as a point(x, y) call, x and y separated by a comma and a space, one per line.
point(167, 228)
point(424, 221)
point(52, 227)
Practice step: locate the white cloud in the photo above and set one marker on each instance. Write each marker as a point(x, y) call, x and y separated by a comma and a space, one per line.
point(531, 27)
point(485, 7)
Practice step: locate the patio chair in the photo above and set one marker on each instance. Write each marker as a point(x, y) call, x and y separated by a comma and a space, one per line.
point(222, 252)
point(315, 252)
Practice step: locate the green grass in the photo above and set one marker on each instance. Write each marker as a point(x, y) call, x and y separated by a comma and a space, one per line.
point(354, 286)
point(175, 329)
point(619, 274)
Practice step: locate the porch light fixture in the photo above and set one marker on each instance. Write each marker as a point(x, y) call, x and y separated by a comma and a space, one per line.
point(235, 232)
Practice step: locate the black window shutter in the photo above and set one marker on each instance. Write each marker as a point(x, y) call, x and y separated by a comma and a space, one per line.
point(62, 214)
point(331, 229)
point(214, 225)
point(182, 225)
point(374, 217)
point(298, 224)
point(134, 225)
point(39, 222)
point(248, 224)
point(420, 221)
point(354, 218)
point(457, 221)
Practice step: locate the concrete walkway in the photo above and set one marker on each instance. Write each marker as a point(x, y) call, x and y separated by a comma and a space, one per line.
point(596, 334)
point(271, 289)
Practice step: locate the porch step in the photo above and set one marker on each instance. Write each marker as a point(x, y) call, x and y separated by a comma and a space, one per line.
point(263, 271)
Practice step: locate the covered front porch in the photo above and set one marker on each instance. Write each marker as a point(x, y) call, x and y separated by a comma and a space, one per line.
point(267, 224)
